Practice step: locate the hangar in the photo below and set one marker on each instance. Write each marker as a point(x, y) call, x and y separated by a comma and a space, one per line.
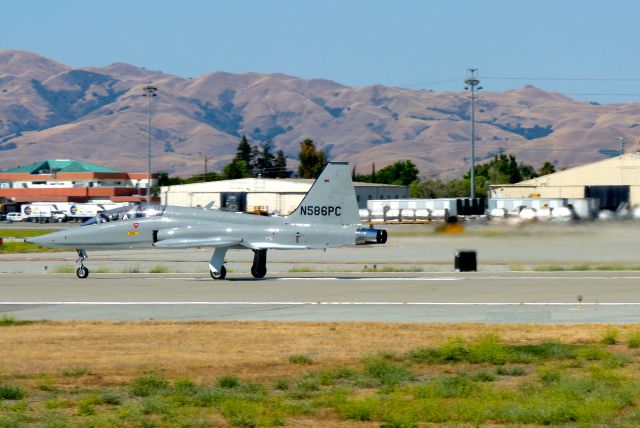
point(614, 181)
point(273, 195)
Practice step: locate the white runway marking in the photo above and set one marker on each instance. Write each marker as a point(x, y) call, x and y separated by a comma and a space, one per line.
point(366, 279)
point(335, 303)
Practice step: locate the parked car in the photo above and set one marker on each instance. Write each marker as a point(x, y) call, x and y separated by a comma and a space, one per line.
point(15, 217)
point(58, 217)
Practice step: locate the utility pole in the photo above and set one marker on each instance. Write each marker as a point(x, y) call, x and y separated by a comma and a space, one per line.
point(205, 166)
point(622, 140)
point(149, 92)
point(471, 83)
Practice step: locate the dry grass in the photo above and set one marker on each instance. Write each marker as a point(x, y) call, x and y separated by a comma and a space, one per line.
point(255, 351)
point(71, 365)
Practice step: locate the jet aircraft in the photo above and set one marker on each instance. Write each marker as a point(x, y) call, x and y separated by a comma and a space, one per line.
point(327, 217)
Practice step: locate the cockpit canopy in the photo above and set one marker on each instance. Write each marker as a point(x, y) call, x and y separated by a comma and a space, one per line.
point(127, 213)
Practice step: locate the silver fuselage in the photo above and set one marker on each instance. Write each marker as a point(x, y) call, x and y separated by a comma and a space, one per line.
point(182, 227)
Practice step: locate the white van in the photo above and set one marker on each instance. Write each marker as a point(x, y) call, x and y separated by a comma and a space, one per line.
point(15, 217)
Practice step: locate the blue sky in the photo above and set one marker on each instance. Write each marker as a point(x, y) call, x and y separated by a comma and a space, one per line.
point(415, 44)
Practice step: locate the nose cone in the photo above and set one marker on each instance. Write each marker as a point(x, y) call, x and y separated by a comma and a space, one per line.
point(48, 240)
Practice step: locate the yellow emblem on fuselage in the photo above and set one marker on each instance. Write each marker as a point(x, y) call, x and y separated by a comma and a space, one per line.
point(133, 233)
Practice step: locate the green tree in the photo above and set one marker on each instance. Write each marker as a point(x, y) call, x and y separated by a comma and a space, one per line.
point(237, 168)
point(280, 165)
point(505, 169)
point(402, 172)
point(165, 180)
point(264, 160)
point(546, 168)
point(430, 189)
point(244, 151)
point(200, 178)
point(311, 161)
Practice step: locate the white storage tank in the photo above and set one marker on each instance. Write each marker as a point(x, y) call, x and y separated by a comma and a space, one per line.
point(408, 215)
point(440, 213)
point(377, 216)
point(561, 213)
point(423, 214)
point(392, 215)
point(544, 213)
point(528, 214)
point(498, 213)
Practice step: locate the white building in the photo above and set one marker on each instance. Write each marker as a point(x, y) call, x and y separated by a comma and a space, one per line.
point(613, 181)
point(268, 194)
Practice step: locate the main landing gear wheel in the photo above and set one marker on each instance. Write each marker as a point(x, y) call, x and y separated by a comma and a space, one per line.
point(82, 272)
point(219, 275)
point(259, 267)
point(258, 272)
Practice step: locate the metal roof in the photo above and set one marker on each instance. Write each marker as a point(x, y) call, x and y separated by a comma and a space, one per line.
point(59, 165)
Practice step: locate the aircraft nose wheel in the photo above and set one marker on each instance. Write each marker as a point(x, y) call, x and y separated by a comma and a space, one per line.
point(219, 275)
point(82, 272)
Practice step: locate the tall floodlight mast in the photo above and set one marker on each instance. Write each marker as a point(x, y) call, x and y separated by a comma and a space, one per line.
point(471, 83)
point(149, 92)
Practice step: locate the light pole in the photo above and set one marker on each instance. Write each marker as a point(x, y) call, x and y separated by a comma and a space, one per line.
point(471, 83)
point(621, 140)
point(149, 92)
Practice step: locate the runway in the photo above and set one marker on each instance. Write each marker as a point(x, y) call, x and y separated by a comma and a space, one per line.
point(606, 297)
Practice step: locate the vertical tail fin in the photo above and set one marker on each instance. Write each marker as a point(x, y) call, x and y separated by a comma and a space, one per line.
point(331, 199)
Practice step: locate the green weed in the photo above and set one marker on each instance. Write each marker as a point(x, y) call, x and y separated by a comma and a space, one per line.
point(77, 371)
point(111, 398)
point(514, 371)
point(446, 386)
point(484, 376)
point(10, 321)
point(148, 384)
point(610, 337)
point(385, 372)
point(131, 269)
point(229, 381)
point(281, 384)
point(159, 269)
point(9, 392)
point(65, 269)
point(302, 269)
point(301, 359)
point(633, 342)
point(549, 375)
point(393, 269)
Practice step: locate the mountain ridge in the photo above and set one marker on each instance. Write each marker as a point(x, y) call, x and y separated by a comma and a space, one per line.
point(98, 114)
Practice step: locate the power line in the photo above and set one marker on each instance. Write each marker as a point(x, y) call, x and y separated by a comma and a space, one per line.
point(569, 79)
point(434, 82)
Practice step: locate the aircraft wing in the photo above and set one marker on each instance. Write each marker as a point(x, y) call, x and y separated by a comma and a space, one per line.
point(197, 242)
point(272, 246)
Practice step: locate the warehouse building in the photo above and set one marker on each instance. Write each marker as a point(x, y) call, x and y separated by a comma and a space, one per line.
point(269, 195)
point(614, 182)
point(68, 180)
point(68, 188)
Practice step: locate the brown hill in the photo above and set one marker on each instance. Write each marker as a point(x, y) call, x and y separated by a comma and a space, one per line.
point(49, 110)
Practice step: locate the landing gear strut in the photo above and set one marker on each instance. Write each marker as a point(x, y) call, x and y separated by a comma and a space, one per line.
point(259, 267)
point(82, 270)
